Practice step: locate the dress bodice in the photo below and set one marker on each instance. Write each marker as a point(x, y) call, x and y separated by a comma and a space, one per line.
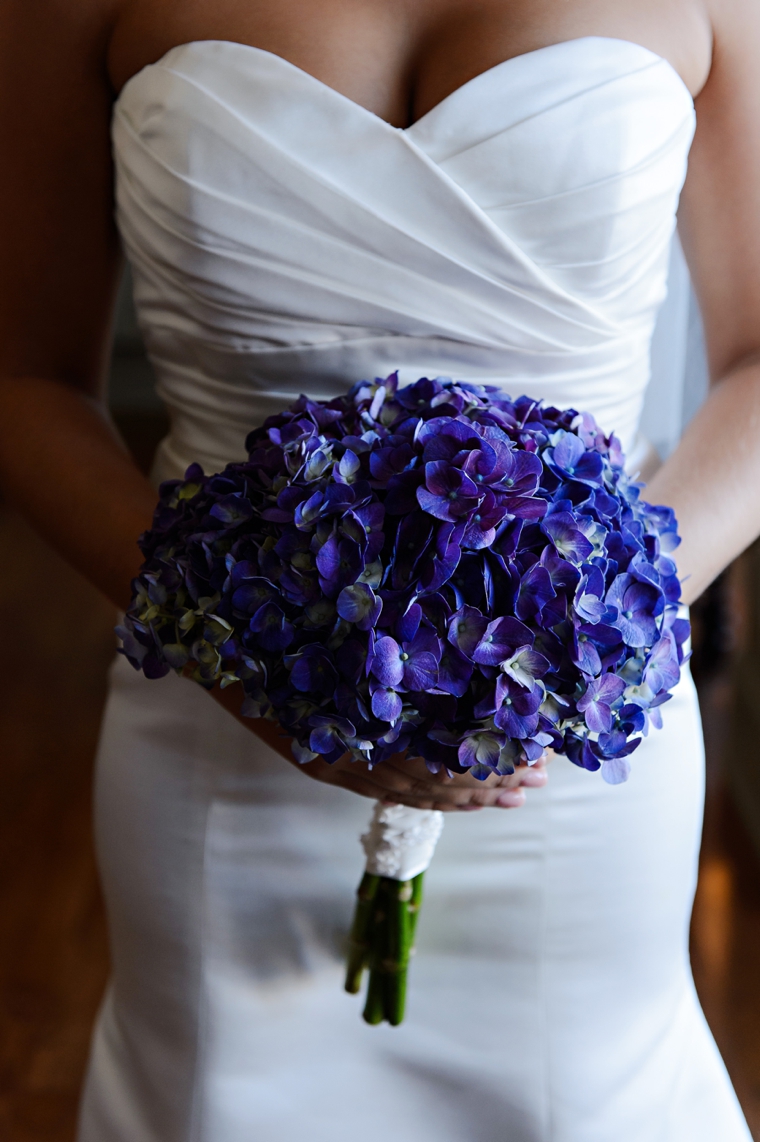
point(285, 239)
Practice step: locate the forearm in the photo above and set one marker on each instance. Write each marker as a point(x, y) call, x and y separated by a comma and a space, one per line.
point(712, 480)
point(64, 468)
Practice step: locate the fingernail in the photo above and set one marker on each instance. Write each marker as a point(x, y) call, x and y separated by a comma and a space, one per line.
point(512, 799)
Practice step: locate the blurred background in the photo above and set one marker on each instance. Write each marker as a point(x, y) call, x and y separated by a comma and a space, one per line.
point(53, 944)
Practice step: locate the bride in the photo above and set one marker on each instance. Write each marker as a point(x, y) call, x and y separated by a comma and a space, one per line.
point(312, 192)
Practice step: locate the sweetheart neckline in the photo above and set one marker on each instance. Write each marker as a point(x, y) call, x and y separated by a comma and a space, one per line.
point(458, 91)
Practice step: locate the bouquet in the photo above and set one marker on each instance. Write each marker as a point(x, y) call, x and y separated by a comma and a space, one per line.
point(435, 570)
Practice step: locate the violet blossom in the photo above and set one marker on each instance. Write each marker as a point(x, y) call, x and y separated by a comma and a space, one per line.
point(436, 569)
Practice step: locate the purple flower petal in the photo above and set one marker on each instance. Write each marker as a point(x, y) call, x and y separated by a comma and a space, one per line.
point(387, 665)
point(536, 590)
point(448, 493)
point(502, 637)
point(272, 629)
point(314, 673)
point(481, 749)
point(525, 666)
point(329, 734)
point(386, 704)
point(567, 538)
point(466, 629)
point(409, 623)
point(359, 604)
point(616, 770)
point(637, 604)
point(454, 671)
point(232, 510)
point(420, 671)
point(568, 452)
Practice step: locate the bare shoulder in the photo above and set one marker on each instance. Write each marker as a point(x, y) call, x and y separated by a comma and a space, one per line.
point(58, 249)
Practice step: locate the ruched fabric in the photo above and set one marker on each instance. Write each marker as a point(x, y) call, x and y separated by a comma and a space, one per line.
point(283, 240)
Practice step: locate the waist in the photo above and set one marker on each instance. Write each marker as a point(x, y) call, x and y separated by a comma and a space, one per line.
point(215, 397)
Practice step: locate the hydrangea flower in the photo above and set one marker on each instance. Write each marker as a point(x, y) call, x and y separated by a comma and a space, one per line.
point(436, 568)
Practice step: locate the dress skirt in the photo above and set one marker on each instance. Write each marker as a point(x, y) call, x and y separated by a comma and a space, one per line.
point(551, 998)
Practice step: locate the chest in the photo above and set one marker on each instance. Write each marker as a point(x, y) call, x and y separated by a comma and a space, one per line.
point(399, 58)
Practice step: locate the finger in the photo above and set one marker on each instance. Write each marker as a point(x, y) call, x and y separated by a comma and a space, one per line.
point(415, 767)
point(533, 778)
point(441, 784)
point(393, 785)
point(376, 782)
point(462, 800)
point(441, 806)
point(447, 801)
point(470, 798)
point(355, 780)
point(396, 783)
point(357, 784)
point(510, 799)
point(407, 786)
point(464, 790)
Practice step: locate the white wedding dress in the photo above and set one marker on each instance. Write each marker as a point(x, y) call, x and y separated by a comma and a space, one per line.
point(284, 239)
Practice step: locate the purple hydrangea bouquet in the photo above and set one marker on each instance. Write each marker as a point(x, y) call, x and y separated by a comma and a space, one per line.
point(435, 571)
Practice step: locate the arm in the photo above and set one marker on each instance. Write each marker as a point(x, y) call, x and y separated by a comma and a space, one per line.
point(713, 477)
point(61, 463)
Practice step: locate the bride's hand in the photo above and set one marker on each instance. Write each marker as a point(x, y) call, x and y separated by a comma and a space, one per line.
point(400, 780)
point(407, 781)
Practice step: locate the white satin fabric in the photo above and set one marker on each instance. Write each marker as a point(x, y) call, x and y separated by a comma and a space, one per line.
point(284, 239)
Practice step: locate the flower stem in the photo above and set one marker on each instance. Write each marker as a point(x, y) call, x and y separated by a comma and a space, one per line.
point(414, 907)
point(374, 1008)
point(382, 939)
point(395, 964)
point(359, 946)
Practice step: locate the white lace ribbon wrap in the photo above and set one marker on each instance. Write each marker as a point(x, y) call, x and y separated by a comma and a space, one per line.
point(401, 841)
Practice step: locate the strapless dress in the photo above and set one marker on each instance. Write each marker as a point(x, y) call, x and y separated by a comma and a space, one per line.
point(283, 240)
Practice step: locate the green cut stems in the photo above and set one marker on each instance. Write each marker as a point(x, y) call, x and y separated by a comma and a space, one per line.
point(382, 939)
point(358, 941)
